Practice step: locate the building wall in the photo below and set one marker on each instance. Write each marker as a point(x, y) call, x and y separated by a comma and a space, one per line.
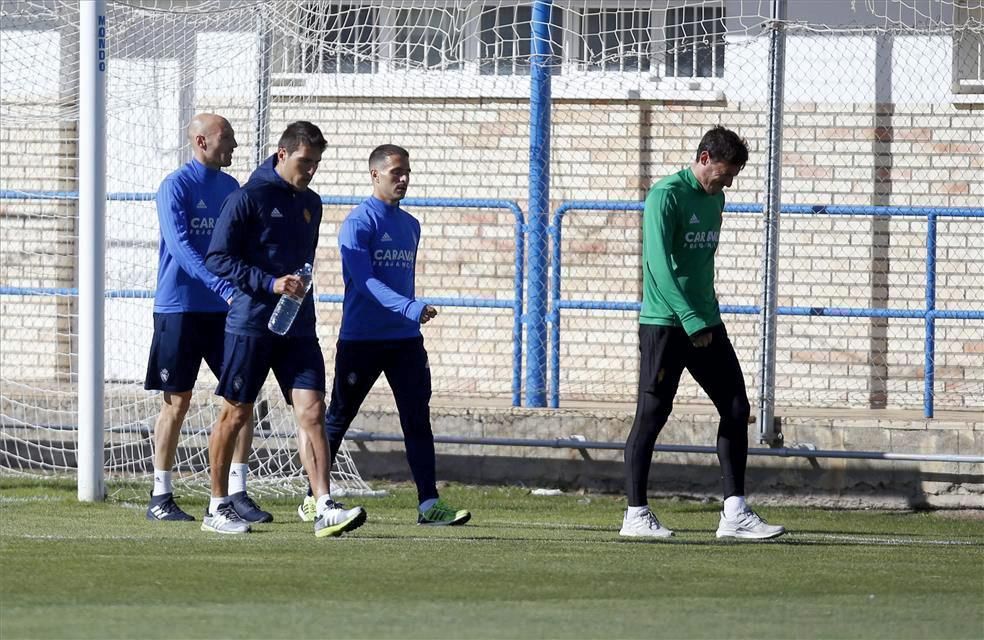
point(37, 246)
point(852, 135)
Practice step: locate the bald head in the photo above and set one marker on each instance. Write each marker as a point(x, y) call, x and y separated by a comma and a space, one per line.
point(204, 123)
point(212, 140)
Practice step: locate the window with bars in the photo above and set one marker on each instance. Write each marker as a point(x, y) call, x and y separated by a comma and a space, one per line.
point(968, 50)
point(497, 39)
point(338, 38)
point(506, 40)
point(695, 42)
point(429, 38)
point(615, 39)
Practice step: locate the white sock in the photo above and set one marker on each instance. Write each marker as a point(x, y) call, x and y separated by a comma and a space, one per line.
point(162, 482)
point(237, 477)
point(427, 504)
point(323, 503)
point(637, 512)
point(734, 505)
point(215, 503)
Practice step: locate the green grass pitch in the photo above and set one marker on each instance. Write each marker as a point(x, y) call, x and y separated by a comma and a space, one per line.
point(525, 567)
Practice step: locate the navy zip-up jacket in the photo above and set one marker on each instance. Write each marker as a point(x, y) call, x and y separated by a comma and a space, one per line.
point(266, 230)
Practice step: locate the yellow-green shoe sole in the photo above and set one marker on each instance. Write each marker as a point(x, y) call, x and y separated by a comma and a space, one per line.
point(351, 524)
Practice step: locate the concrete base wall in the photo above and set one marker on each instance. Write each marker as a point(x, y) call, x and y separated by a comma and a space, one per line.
point(853, 483)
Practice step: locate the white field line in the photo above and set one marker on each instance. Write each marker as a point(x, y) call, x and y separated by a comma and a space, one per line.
point(880, 541)
point(147, 538)
point(26, 499)
point(59, 537)
point(790, 536)
point(845, 539)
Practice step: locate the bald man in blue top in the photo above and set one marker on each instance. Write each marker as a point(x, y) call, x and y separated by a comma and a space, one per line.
point(380, 332)
point(190, 308)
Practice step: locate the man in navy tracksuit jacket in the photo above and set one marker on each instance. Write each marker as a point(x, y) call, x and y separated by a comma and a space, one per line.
point(380, 331)
point(190, 308)
point(267, 230)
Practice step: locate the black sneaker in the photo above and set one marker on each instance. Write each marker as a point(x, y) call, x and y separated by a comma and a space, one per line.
point(163, 507)
point(247, 509)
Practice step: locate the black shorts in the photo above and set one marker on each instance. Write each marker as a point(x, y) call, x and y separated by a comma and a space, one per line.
point(297, 363)
point(181, 341)
point(666, 351)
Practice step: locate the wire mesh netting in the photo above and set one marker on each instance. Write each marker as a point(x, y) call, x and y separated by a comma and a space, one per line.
point(882, 108)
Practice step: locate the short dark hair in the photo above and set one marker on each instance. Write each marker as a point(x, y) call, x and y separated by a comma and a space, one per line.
point(724, 145)
point(383, 151)
point(302, 132)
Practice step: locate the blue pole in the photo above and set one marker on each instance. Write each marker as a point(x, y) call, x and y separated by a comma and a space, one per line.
point(555, 312)
point(517, 377)
point(930, 373)
point(539, 207)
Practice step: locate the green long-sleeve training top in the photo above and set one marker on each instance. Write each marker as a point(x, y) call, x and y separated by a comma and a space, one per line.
point(680, 229)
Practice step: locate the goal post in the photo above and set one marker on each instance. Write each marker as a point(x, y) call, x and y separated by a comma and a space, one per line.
point(107, 108)
point(92, 247)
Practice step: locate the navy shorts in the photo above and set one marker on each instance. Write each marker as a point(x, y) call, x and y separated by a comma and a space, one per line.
point(297, 363)
point(181, 341)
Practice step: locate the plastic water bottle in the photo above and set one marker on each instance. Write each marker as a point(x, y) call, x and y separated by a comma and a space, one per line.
point(286, 310)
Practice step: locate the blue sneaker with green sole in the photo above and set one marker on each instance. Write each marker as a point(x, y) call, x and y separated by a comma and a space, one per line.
point(441, 514)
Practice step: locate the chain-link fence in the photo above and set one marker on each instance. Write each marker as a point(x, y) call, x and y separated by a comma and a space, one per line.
point(535, 131)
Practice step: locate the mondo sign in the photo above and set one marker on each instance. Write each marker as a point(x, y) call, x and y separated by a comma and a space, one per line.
point(101, 37)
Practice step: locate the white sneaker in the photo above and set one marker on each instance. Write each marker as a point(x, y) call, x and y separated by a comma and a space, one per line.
point(644, 526)
point(224, 520)
point(337, 520)
point(748, 525)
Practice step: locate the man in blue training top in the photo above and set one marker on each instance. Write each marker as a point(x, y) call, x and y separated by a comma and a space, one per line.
point(190, 309)
point(268, 230)
point(381, 328)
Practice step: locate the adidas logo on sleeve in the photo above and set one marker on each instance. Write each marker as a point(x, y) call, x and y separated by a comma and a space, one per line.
point(201, 205)
point(276, 213)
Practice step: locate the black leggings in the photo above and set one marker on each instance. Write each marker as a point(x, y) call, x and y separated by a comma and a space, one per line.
point(404, 363)
point(664, 353)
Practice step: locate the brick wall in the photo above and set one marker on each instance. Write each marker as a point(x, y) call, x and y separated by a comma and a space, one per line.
point(37, 244)
point(613, 150)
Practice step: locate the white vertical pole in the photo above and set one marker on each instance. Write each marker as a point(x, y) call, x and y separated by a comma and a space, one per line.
point(92, 245)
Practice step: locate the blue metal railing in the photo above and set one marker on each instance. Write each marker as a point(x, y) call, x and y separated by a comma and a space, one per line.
point(929, 314)
point(516, 304)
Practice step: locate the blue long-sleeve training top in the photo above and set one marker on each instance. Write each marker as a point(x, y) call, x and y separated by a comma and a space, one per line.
point(266, 230)
point(378, 243)
point(188, 204)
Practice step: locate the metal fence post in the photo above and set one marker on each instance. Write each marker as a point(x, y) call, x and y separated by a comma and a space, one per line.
point(929, 371)
point(768, 433)
point(264, 41)
point(539, 207)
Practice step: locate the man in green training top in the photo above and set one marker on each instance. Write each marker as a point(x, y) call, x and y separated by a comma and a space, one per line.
point(680, 327)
